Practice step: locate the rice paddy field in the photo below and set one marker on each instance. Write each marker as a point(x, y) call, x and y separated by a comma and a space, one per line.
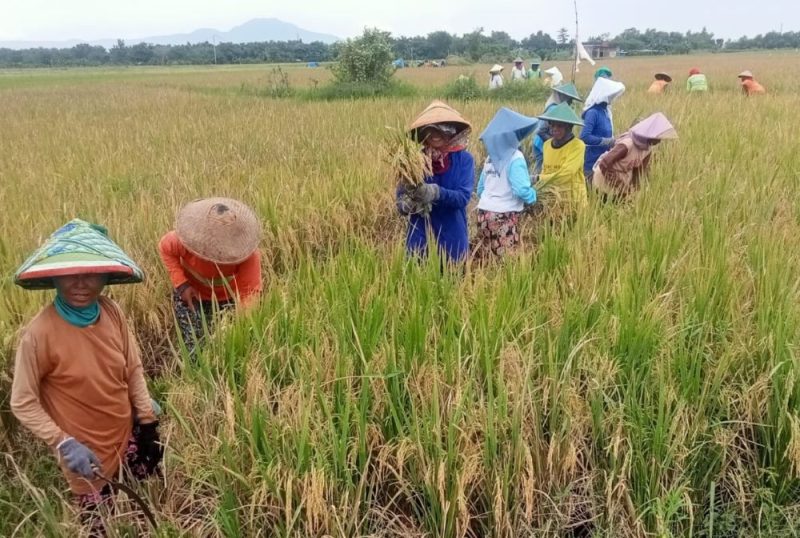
point(634, 374)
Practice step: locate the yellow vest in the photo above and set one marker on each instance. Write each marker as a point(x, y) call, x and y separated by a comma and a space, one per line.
point(562, 171)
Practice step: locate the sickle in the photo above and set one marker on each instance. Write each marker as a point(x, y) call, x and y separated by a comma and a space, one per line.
point(132, 494)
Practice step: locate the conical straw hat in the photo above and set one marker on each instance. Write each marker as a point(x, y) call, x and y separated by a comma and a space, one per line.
point(745, 74)
point(561, 113)
point(220, 230)
point(440, 112)
point(77, 248)
point(569, 90)
point(663, 76)
point(518, 60)
point(496, 68)
point(655, 127)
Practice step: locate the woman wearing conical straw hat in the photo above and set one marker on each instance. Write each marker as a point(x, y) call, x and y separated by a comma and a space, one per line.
point(619, 172)
point(661, 84)
point(562, 169)
point(518, 72)
point(496, 77)
point(749, 84)
point(563, 93)
point(446, 192)
point(78, 380)
point(213, 262)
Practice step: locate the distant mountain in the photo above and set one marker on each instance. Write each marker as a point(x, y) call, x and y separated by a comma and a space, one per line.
point(253, 30)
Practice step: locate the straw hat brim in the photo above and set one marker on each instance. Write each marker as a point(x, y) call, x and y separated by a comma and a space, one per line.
point(496, 68)
point(663, 76)
point(745, 74)
point(439, 112)
point(220, 230)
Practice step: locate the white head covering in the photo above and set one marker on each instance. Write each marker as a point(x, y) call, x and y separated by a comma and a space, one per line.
point(604, 91)
point(555, 76)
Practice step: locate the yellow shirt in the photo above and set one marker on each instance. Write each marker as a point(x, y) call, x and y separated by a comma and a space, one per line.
point(562, 171)
point(84, 383)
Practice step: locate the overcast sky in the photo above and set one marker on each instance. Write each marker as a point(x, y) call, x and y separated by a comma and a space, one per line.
point(95, 19)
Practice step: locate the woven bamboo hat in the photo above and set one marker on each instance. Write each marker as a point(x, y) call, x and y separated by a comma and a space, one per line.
point(663, 76)
point(220, 230)
point(745, 74)
point(496, 68)
point(561, 113)
point(439, 112)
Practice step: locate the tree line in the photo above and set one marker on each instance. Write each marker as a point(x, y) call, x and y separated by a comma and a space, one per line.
point(474, 46)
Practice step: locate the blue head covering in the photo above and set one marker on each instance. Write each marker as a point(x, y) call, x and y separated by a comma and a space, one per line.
point(504, 133)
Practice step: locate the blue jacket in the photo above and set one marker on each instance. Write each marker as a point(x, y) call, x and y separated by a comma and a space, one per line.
point(596, 126)
point(448, 217)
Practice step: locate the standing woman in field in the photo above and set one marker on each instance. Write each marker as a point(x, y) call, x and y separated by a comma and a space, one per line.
point(213, 262)
point(504, 188)
point(697, 81)
point(563, 93)
point(598, 126)
point(78, 380)
point(496, 77)
point(439, 206)
point(619, 172)
point(562, 171)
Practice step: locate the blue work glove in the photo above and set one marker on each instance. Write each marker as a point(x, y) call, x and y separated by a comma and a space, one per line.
point(426, 194)
point(78, 458)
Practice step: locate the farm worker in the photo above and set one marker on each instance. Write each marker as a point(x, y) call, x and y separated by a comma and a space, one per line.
point(535, 71)
point(563, 93)
point(554, 76)
point(618, 172)
point(749, 84)
point(213, 262)
point(495, 77)
point(697, 81)
point(661, 83)
point(598, 127)
point(603, 72)
point(518, 72)
point(443, 133)
point(78, 380)
point(504, 187)
point(562, 169)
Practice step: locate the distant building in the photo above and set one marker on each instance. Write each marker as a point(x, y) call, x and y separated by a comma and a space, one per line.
point(601, 49)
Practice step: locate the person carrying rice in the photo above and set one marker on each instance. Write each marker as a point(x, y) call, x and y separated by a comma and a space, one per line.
point(438, 204)
point(563, 93)
point(213, 261)
point(562, 169)
point(78, 381)
point(496, 77)
point(504, 188)
point(619, 172)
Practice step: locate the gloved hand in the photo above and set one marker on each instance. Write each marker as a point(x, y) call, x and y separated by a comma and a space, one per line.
point(149, 451)
point(607, 142)
point(426, 194)
point(405, 205)
point(78, 458)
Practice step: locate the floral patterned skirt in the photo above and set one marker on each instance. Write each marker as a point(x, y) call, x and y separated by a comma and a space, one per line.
point(497, 233)
point(193, 325)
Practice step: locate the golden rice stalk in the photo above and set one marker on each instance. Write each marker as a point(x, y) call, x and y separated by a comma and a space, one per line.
point(410, 165)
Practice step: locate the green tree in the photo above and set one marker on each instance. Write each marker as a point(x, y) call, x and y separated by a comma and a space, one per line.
point(440, 43)
point(563, 36)
point(365, 59)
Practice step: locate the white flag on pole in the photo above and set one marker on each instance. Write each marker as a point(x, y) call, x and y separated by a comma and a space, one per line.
point(581, 54)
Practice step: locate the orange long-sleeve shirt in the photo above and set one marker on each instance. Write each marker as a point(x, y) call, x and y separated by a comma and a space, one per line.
point(658, 86)
point(751, 87)
point(83, 383)
point(223, 282)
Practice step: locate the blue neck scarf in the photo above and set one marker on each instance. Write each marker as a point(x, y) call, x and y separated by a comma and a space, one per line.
point(79, 317)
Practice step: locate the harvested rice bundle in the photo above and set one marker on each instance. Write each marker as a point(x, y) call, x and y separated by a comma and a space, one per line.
point(407, 159)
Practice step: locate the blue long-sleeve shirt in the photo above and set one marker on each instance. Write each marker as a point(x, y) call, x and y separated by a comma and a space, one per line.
point(448, 216)
point(518, 178)
point(596, 127)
